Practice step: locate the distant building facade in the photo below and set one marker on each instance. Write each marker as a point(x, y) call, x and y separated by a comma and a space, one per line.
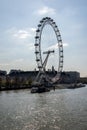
point(66, 76)
point(23, 74)
point(3, 74)
point(70, 77)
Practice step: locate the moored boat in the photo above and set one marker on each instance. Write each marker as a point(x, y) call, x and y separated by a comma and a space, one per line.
point(39, 88)
point(76, 85)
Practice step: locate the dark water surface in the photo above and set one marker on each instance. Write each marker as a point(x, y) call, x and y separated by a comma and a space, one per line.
point(64, 109)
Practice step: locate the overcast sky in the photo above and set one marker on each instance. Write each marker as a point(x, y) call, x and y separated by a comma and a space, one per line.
point(19, 20)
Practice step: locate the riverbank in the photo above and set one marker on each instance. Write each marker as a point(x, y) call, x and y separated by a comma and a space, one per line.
point(14, 87)
point(57, 86)
point(69, 86)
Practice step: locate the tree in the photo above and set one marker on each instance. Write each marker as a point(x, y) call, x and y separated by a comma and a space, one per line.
point(0, 82)
point(8, 82)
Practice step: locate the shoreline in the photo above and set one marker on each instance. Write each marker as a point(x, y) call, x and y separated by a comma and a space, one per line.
point(57, 86)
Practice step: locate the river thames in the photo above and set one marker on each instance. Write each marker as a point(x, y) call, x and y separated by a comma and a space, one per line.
point(62, 109)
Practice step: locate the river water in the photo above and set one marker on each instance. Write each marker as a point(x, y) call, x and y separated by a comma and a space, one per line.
point(62, 109)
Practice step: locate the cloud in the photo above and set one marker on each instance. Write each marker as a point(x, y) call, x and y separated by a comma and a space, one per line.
point(33, 29)
point(20, 60)
point(65, 44)
point(30, 46)
point(46, 10)
point(55, 46)
point(4, 64)
point(22, 33)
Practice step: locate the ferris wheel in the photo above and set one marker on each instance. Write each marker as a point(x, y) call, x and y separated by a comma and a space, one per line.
point(38, 51)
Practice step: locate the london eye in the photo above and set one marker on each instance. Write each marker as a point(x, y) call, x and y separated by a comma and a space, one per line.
point(42, 63)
